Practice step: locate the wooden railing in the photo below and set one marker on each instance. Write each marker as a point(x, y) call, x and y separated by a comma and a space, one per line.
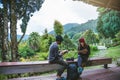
point(44, 66)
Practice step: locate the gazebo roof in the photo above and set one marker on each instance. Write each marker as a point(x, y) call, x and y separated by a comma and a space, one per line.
point(113, 4)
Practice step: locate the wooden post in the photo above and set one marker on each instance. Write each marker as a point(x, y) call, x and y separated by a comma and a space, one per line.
point(105, 66)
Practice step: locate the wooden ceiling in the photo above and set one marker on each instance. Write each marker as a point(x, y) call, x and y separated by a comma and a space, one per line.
point(113, 4)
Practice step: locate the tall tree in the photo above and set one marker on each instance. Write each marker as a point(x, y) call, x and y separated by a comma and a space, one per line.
point(25, 10)
point(45, 34)
point(108, 22)
point(58, 28)
point(17, 10)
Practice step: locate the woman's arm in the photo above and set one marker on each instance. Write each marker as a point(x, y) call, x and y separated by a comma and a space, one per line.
point(84, 51)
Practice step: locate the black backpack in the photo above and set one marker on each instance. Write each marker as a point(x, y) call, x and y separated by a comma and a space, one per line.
point(72, 73)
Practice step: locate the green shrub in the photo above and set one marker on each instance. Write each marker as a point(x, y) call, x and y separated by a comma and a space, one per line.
point(25, 51)
point(43, 55)
point(70, 54)
point(3, 77)
point(93, 48)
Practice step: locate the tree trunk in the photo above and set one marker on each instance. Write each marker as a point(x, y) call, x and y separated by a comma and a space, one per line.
point(4, 33)
point(1, 33)
point(13, 28)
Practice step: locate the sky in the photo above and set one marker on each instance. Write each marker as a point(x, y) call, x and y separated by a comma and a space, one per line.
point(65, 11)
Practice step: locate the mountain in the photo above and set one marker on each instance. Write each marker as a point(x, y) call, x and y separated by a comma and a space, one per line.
point(73, 28)
point(67, 27)
point(19, 36)
point(91, 24)
point(24, 38)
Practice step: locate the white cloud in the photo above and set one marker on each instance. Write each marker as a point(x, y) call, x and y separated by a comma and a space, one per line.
point(65, 11)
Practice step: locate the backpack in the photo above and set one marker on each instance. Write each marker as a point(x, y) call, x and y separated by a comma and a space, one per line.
point(72, 72)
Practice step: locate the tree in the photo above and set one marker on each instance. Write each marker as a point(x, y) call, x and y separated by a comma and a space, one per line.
point(76, 37)
point(34, 41)
point(15, 10)
point(67, 43)
point(108, 22)
point(90, 37)
point(118, 35)
point(58, 28)
point(45, 34)
point(45, 41)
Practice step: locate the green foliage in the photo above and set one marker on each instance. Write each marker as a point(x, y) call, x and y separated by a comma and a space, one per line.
point(25, 51)
point(76, 37)
point(44, 45)
point(3, 77)
point(90, 37)
point(68, 44)
point(45, 34)
point(90, 25)
point(93, 48)
point(108, 23)
point(118, 36)
point(45, 42)
point(42, 56)
point(58, 28)
point(25, 9)
point(34, 41)
point(71, 34)
point(50, 39)
point(19, 10)
point(106, 41)
point(113, 52)
point(71, 54)
point(115, 42)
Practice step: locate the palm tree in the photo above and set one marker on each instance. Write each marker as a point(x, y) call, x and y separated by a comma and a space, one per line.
point(33, 41)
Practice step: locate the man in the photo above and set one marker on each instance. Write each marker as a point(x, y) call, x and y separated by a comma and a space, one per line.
point(55, 56)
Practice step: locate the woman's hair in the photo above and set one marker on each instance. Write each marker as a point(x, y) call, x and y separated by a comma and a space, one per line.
point(82, 40)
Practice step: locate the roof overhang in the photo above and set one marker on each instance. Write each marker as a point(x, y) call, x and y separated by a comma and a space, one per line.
point(113, 4)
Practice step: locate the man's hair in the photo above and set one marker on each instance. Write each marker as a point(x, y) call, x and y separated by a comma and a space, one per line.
point(59, 38)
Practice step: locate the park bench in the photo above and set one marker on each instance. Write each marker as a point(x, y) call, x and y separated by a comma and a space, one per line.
point(44, 66)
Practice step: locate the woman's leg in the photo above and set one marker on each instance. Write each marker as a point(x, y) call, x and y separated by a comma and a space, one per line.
point(80, 68)
point(79, 61)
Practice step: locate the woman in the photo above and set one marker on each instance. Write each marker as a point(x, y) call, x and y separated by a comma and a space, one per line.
point(83, 54)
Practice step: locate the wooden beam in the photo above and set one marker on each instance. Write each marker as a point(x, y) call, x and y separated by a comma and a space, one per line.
point(113, 4)
point(43, 66)
point(28, 68)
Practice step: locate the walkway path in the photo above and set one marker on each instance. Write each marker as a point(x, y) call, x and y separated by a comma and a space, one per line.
point(101, 53)
point(93, 74)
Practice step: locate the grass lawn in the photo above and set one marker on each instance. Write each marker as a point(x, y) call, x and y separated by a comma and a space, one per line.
point(113, 52)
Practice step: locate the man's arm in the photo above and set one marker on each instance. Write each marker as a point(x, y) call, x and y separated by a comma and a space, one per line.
point(63, 52)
